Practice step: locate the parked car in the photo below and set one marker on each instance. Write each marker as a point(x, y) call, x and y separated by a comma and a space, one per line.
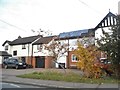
point(14, 63)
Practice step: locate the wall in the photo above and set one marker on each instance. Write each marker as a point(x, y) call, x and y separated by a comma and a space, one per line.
point(41, 52)
point(71, 63)
point(73, 42)
point(9, 48)
point(0, 61)
point(98, 33)
point(62, 60)
point(119, 8)
point(48, 62)
point(20, 51)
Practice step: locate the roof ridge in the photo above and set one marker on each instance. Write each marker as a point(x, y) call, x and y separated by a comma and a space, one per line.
point(31, 36)
point(75, 30)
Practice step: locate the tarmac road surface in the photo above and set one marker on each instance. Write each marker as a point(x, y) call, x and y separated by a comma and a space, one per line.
point(13, 85)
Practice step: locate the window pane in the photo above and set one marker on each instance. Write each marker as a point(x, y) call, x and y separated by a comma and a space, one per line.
point(6, 47)
point(39, 47)
point(14, 53)
point(23, 47)
point(74, 58)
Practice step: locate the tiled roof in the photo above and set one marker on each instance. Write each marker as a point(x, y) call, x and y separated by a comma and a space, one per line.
point(44, 40)
point(6, 42)
point(25, 40)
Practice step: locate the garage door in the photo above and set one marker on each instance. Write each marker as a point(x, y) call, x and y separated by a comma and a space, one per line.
point(40, 62)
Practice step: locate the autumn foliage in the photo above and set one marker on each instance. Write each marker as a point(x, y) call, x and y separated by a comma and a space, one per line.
point(87, 60)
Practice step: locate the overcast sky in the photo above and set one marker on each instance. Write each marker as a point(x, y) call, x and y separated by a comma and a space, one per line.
point(18, 17)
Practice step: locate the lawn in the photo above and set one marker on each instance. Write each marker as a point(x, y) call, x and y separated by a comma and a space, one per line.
point(68, 77)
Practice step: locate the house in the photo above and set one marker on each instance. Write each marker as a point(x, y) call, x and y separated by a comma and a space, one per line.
point(28, 50)
point(89, 36)
point(71, 38)
point(32, 51)
point(41, 57)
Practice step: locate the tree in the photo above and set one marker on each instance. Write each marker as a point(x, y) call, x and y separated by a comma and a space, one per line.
point(57, 50)
point(110, 43)
point(87, 60)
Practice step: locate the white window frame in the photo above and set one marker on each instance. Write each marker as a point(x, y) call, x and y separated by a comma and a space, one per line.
point(6, 47)
point(39, 47)
point(23, 46)
point(74, 58)
point(15, 53)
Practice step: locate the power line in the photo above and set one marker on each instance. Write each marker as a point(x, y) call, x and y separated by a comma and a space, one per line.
point(90, 7)
point(12, 25)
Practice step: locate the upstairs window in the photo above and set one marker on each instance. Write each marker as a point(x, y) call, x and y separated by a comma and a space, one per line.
point(74, 58)
point(23, 47)
point(6, 47)
point(39, 47)
point(14, 53)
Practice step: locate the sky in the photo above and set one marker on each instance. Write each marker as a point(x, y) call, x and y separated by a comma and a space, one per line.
point(22, 17)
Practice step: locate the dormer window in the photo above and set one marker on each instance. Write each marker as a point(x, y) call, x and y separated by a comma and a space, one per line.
point(6, 47)
point(23, 46)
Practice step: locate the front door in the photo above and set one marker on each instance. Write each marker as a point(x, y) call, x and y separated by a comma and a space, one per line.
point(40, 62)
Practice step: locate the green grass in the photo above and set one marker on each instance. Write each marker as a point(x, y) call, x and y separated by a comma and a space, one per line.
point(68, 77)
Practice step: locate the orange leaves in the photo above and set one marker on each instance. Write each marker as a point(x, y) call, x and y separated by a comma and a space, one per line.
point(86, 60)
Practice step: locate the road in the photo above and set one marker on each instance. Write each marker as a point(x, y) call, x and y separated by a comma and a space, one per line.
point(9, 76)
point(11, 73)
point(12, 85)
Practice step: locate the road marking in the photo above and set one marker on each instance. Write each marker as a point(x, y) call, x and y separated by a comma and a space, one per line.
point(15, 85)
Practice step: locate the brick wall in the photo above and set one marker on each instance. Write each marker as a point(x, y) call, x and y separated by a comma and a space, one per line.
point(48, 62)
point(71, 64)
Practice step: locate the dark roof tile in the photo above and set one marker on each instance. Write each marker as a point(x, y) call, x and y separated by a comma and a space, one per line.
point(44, 40)
point(25, 40)
point(6, 42)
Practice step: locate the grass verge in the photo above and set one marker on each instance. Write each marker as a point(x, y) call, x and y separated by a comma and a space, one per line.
point(68, 77)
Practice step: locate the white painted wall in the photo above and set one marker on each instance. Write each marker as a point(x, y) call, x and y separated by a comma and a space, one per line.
point(73, 42)
point(61, 60)
point(98, 33)
point(0, 60)
point(119, 8)
point(41, 52)
point(20, 51)
point(9, 49)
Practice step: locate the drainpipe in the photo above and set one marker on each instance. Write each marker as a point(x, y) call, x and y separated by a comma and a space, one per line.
point(28, 51)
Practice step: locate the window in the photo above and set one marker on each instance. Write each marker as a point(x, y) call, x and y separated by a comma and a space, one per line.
point(23, 59)
point(14, 53)
point(6, 47)
point(23, 47)
point(39, 47)
point(74, 58)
